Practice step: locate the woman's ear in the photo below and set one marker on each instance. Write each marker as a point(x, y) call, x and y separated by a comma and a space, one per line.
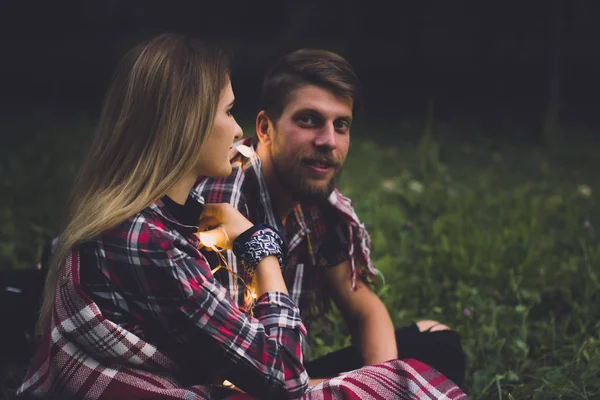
point(264, 128)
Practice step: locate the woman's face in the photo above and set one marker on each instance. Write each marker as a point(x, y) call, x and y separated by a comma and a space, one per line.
point(214, 160)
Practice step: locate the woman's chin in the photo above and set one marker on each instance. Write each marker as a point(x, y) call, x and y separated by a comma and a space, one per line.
point(217, 172)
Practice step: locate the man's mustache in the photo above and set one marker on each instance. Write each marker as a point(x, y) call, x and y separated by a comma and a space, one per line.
point(328, 161)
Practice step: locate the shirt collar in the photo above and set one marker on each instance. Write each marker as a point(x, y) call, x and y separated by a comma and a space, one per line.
point(189, 231)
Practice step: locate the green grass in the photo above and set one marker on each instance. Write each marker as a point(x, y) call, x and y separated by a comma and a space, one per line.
point(495, 238)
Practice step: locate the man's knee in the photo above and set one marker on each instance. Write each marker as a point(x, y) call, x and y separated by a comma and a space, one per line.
point(437, 345)
point(431, 326)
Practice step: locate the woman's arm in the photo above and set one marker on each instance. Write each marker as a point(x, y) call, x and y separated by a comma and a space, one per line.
point(262, 354)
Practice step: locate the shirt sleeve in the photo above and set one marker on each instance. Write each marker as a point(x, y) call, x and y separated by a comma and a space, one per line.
point(261, 354)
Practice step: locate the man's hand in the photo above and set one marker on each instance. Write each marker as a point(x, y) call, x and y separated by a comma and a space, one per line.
point(316, 381)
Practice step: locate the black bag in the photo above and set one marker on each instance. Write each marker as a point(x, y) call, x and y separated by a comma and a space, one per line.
point(20, 300)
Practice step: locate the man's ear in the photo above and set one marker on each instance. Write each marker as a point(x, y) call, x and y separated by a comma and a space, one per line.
point(264, 128)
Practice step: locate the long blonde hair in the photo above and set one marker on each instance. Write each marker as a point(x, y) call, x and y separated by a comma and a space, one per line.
point(157, 113)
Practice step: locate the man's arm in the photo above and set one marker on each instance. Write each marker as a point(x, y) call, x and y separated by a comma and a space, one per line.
point(367, 318)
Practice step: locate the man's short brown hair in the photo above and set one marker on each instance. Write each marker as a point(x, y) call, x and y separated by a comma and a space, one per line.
point(303, 67)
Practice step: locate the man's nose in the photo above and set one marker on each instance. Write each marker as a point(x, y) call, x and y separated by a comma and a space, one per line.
point(326, 137)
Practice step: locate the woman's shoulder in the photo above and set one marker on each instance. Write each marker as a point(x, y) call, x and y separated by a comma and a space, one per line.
point(145, 239)
point(146, 228)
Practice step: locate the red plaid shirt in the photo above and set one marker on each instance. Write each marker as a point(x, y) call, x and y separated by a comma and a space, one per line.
point(318, 236)
point(395, 379)
point(138, 314)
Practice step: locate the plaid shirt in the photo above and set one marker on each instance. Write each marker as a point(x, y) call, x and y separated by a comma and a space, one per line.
point(395, 379)
point(138, 314)
point(318, 236)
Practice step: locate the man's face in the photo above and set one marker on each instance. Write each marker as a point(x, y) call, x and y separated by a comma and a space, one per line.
point(310, 143)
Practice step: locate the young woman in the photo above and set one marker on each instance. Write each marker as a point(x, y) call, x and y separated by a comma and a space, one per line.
point(131, 308)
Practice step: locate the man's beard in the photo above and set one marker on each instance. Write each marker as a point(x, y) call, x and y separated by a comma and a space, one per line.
point(291, 178)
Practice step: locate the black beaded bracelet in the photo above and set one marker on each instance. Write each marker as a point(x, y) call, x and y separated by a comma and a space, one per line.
point(256, 243)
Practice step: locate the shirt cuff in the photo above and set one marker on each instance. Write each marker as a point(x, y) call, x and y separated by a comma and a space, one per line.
point(277, 309)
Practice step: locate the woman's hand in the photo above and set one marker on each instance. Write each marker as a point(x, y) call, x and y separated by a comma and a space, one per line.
point(225, 223)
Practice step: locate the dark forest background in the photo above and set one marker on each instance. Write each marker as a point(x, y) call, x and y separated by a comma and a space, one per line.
point(498, 61)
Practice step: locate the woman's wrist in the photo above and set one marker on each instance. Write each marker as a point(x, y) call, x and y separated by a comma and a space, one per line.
point(256, 243)
point(268, 277)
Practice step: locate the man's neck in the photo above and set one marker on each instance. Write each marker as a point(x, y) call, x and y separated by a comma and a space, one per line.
point(280, 198)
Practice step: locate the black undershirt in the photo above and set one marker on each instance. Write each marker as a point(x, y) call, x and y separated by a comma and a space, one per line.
point(186, 214)
point(189, 214)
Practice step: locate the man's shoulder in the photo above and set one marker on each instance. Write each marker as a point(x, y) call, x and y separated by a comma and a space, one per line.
point(222, 190)
point(331, 215)
point(337, 209)
point(340, 202)
point(336, 217)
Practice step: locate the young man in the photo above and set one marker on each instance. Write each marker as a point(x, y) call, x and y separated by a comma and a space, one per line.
point(286, 177)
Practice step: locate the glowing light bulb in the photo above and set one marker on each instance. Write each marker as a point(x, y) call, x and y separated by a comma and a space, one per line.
point(254, 296)
point(226, 383)
point(207, 240)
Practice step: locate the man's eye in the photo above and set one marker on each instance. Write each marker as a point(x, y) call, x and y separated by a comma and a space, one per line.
point(306, 120)
point(341, 126)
